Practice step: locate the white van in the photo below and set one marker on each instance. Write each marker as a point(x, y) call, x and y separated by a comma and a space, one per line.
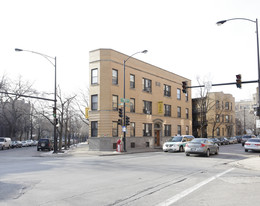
point(5, 142)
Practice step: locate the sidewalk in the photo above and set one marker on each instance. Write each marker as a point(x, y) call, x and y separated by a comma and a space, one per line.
point(252, 163)
point(82, 149)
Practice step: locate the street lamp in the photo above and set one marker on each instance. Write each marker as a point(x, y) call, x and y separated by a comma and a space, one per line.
point(55, 90)
point(257, 42)
point(124, 125)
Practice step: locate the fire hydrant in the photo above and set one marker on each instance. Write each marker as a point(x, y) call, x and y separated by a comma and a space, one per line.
point(119, 145)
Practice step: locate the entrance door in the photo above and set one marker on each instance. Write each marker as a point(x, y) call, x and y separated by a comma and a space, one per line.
point(157, 137)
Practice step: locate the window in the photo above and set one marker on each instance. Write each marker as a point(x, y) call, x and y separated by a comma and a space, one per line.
point(167, 130)
point(179, 129)
point(94, 102)
point(94, 129)
point(223, 118)
point(167, 110)
point(217, 118)
point(186, 96)
point(114, 76)
point(178, 94)
point(187, 130)
point(132, 129)
point(231, 106)
point(115, 102)
point(179, 112)
point(94, 76)
point(227, 118)
point(223, 132)
point(217, 104)
point(132, 81)
point(147, 85)
point(167, 90)
point(114, 129)
point(147, 109)
point(132, 105)
point(227, 105)
point(147, 130)
point(218, 132)
point(187, 113)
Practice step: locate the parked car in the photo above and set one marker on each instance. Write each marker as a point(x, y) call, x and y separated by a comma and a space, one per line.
point(35, 142)
point(177, 143)
point(14, 145)
point(245, 138)
point(239, 139)
point(30, 142)
point(19, 144)
point(202, 146)
point(45, 144)
point(232, 140)
point(216, 140)
point(5, 142)
point(224, 140)
point(252, 144)
point(25, 144)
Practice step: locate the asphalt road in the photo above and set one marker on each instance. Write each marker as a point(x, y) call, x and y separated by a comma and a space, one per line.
point(144, 179)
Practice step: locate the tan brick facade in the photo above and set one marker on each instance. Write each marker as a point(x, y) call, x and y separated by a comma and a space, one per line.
point(219, 116)
point(103, 61)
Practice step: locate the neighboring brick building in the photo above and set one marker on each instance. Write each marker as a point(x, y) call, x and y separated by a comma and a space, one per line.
point(214, 116)
point(157, 106)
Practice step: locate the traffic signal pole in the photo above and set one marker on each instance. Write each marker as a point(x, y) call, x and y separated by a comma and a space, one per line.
point(223, 84)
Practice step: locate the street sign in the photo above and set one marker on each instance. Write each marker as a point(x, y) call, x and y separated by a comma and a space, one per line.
point(125, 100)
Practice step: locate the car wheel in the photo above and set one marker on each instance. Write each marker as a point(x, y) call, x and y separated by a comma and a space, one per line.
point(181, 149)
point(208, 153)
point(38, 149)
point(246, 150)
point(217, 151)
point(187, 154)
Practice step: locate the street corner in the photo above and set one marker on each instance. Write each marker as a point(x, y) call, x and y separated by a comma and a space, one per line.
point(252, 163)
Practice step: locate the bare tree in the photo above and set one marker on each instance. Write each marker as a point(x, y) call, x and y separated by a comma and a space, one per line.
point(14, 110)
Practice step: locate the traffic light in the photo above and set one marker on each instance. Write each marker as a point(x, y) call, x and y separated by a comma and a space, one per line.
point(120, 112)
point(54, 112)
point(239, 81)
point(184, 87)
point(119, 122)
point(127, 120)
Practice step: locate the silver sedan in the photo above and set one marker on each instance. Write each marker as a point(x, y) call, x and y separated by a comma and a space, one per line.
point(252, 144)
point(202, 146)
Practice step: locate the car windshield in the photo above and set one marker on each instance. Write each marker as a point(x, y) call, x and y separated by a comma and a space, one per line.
point(1, 140)
point(253, 140)
point(247, 137)
point(176, 139)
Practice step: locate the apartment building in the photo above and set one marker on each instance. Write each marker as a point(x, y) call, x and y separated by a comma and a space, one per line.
point(214, 115)
point(155, 103)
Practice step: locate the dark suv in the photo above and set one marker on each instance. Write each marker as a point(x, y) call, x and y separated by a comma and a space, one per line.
point(45, 144)
point(245, 138)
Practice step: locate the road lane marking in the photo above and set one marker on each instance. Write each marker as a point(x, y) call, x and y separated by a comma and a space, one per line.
point(177, 197)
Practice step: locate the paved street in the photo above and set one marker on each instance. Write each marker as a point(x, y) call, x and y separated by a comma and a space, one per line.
point(154, 178)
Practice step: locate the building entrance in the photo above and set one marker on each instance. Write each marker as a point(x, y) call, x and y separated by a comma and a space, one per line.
point(157, 134)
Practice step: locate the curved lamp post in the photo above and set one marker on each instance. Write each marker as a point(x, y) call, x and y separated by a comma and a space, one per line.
point(258, 61)
point(55, 91)
point(124, 125)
